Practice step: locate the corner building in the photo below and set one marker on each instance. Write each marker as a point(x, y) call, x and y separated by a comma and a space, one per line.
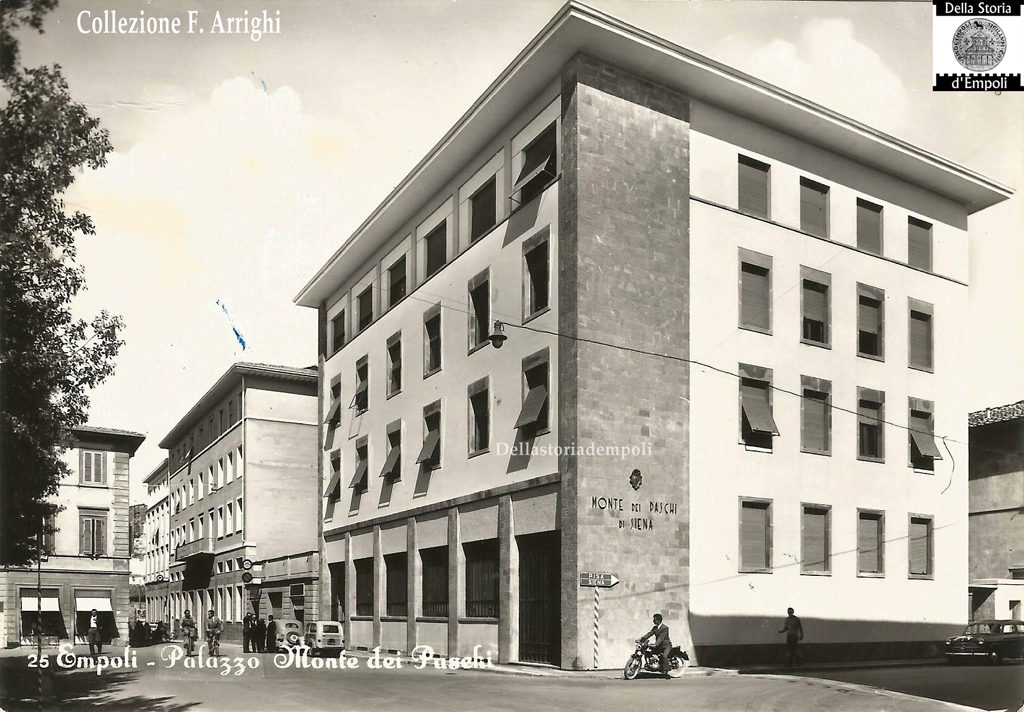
point(724, 305)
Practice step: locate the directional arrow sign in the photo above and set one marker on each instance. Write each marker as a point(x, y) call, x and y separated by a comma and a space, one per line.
point(594, 579)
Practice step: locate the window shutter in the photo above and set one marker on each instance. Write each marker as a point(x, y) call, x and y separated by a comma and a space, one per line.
point(919, 544)
point(813, 430)
point(757, 406)
point(99, 467)
point(816, 301)
point(86, 466)
point(868, 315)
point(919, 249)
point(755, 288)
point(753, 187)
point(869, 537)
point(813, 211)
point(920, 339)
point(869, 227)
point(814, 544)
point(100, 534)
point(754, 536)
point(84, 536)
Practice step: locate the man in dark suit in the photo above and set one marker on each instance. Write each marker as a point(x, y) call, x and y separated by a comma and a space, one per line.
point(94, 633)
point(662, 644)
point(260, 635)
point(248, 630)
point(271, 635)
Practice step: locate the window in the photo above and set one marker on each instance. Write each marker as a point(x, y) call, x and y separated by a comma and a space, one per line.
point(869, 227)
point(364, 586)
point(755, 291)
point(755, 536)
point(364, 304)
point(816, 416)
point(479, 310)
point(437, 248)
point(333, 490)
point(92, 528)
point(92, 467)
point(535, 275)
point(360, 483)
point(483, 210)
point(394, 364)
point(333, 419)
point(231, 410)
point(919, 244)
point(870, 542)
point(538, 166)
point(753, 187)
point(50, 534)
point(201, 489)
point(921, 435)
point(479, 417)
point(815, 539)
point(481, 579)
point(430, 453)
point(757, 426)
point(396, 282)
point(396, 585)
point(393, 462)
point(362, 399)
point(921, 552)
point(921, 337)
point(338, 603)
point(870, 434)
point(435, 581)
point(220, 530)
point(534, 414)
point(238, 515)
point(870, 321)
point(813, 207)
point(816, 327)
point(229, 520)
point(432, 341)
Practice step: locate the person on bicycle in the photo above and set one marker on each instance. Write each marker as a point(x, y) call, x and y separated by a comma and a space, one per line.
point(214, 627)
point(662, 644)
point(189, 632)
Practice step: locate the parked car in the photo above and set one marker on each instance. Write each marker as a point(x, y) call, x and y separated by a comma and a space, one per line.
point(325, 637)
point(992, 640)
point(289, 634)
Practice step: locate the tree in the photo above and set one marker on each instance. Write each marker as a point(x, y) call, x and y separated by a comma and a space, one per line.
point(49, 359)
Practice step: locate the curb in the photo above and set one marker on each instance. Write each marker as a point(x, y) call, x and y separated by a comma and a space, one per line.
point(614, 674)
point(882, 692)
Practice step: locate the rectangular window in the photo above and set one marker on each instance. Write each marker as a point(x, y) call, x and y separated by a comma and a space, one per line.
point(815, 300)
point(870, 542)
point(394, 364)
point(479, 417)
point(755, 536)
point(220, 530)
point(92, 467)
point(757, 425)
point(869, 227)
point(870, 321)
point(92, 527)
point(229, 519)
point(870, 433)
point(396, 281)
point(239, 521)
point(479, 310)
point(362, 397)
point(364, 586)
point(919, 247)
point(482, 579)
point(815, 539)
point(360, 483)
point(535, 275)
point(755, 291)
point(333, 490)
point(539, 166)
point(430, 452)
point(396, 585)
point(436, 243)
point(534, 414)
point(816, 416)
point(753, 187)
point(432, 341)
point(921, 549)
point(483, 210)
point(813, 207)
point(201, 488)
point(921, 335)
point(435, 581)
point(364, 304)
point(921, 435)
point(393, 462)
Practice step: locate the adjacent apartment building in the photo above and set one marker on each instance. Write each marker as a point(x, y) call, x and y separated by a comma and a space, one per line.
point(996, 495)
point(86, 559)
point(730, 326)
point(242, 493)
point(157, 543)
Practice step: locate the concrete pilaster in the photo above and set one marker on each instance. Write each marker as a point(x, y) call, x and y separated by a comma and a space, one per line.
point(414, 583)
point(456, 593)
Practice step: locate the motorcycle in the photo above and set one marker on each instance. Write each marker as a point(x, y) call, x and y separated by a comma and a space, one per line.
point(644, 659)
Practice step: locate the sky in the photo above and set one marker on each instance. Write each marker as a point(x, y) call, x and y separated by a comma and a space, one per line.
point(240, 166)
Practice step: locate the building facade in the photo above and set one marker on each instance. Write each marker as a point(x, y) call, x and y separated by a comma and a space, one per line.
point(157, 544)
point(996, 503)
point(86, 563)
point(731, 323)
point(242, 493)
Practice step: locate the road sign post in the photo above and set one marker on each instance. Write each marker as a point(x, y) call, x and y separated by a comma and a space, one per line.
point(597, 581)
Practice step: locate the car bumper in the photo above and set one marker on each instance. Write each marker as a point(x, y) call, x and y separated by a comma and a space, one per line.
point(970, 653)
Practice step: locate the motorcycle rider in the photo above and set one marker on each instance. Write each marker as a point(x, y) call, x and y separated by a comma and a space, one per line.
point(662, 645)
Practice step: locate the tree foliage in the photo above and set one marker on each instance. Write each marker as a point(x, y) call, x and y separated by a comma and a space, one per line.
point(49, 359)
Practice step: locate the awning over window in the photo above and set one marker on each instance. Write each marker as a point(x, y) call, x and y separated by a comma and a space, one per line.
point(334, 485)
point(360, 477)
point(87, 604)
point(28, 604)
point(333, 412)
point(925, 444)
point(389, 464)
point(329, 437)
point(430, 444)
point(759, 415)
point(532, 406)
point(533, 168)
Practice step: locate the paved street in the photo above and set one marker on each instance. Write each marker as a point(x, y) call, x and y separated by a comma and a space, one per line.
point(154, 688)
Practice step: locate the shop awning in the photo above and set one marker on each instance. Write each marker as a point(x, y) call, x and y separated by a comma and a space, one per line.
point(28, 604)
point(87, 604)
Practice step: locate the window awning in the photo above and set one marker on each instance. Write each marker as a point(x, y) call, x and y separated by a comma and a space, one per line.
point(430, 444)
point(759, 416)
point(329, 437)
point(28, 604)
point(925, 444)
point(87, 604)
point(333, 412)
point(389, 464)
point(361, 388)
point(332, 488)
point(532, 406)
point(360, 477)
point(530, 172)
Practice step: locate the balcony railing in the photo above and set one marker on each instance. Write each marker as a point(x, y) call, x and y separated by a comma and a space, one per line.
point(197, 547)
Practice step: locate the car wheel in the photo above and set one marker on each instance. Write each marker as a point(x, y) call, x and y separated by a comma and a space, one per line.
point(997, 657)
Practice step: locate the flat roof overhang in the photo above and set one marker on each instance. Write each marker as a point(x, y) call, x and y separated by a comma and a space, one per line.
point(578, 28)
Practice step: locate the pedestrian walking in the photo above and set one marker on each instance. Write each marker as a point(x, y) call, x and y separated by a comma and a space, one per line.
point(214, 627)
point(271, 635)
point(794, 631)
point(248, 631)
point(189, 633)
point(94, 634)
point(260, 636)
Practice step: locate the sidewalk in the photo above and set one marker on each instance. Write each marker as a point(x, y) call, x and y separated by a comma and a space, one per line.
point(833, 666)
